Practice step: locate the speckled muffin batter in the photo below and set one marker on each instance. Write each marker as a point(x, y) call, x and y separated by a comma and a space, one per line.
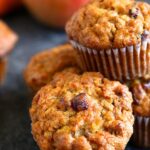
point(44, 65)
point(141, 96)
point(86, 112)
point(105, 24)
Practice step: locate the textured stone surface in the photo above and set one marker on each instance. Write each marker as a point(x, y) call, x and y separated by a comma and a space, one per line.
point(15, 132)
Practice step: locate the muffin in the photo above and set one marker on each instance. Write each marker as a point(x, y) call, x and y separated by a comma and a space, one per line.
point(44, 65)
point(86, 112)
point(141, 108)
point(113, 37)
point(8, 39)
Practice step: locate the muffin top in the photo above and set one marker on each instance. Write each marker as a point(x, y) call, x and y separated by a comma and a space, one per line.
point(105, 24)
point(44, 65)
point(59, 78)
point(141, 95)
point(8, 39)
point(86, 112)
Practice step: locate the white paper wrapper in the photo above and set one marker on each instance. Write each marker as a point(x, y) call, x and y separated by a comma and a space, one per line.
point(118, 64)
point(141, 136)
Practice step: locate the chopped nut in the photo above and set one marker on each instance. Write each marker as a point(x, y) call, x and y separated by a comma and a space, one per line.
point(134, 12)
point(79, 102)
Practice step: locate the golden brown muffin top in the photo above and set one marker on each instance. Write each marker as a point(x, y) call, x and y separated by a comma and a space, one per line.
point(8, 39)
point(104, 24)
point(86, 112)
point(141, 95)
point(44, 65)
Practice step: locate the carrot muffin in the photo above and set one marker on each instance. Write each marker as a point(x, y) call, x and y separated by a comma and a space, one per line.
point(113, 37)
point(87, 112)
point(141, 108)
point(8, 40)
point(44, 65)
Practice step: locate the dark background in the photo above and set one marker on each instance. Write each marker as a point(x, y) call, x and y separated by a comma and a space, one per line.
point(15, 99)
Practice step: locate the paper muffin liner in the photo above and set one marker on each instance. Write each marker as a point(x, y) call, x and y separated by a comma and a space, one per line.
point(141, 135)
point(118, 64)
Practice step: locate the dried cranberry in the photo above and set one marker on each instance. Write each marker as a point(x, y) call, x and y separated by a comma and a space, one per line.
point(79, 102)
point(145, 35)
point(134, 12)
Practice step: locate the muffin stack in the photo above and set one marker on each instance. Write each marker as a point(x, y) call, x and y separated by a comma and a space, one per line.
point(113, 37)
point(82, 110)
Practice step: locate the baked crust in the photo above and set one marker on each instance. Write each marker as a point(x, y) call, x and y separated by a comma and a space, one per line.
point(105, 24)
point(44, 65)
point(86, 112)
point(140, 89)
point(8, 39)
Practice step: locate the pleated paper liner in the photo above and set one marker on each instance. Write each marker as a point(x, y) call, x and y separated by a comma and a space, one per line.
point(141, 135)
point(117, 64)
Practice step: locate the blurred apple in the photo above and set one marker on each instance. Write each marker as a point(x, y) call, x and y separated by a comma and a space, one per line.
point(8, 5)
point(53, 12)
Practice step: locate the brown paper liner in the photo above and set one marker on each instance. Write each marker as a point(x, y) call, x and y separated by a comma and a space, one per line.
point(141, 135)
point(118, 64)
point(3, 67)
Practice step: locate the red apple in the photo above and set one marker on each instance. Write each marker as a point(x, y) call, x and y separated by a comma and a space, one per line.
point(8, 5)
point(53, 12)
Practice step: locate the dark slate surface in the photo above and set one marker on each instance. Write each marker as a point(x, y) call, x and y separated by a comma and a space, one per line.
point(15, 132)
